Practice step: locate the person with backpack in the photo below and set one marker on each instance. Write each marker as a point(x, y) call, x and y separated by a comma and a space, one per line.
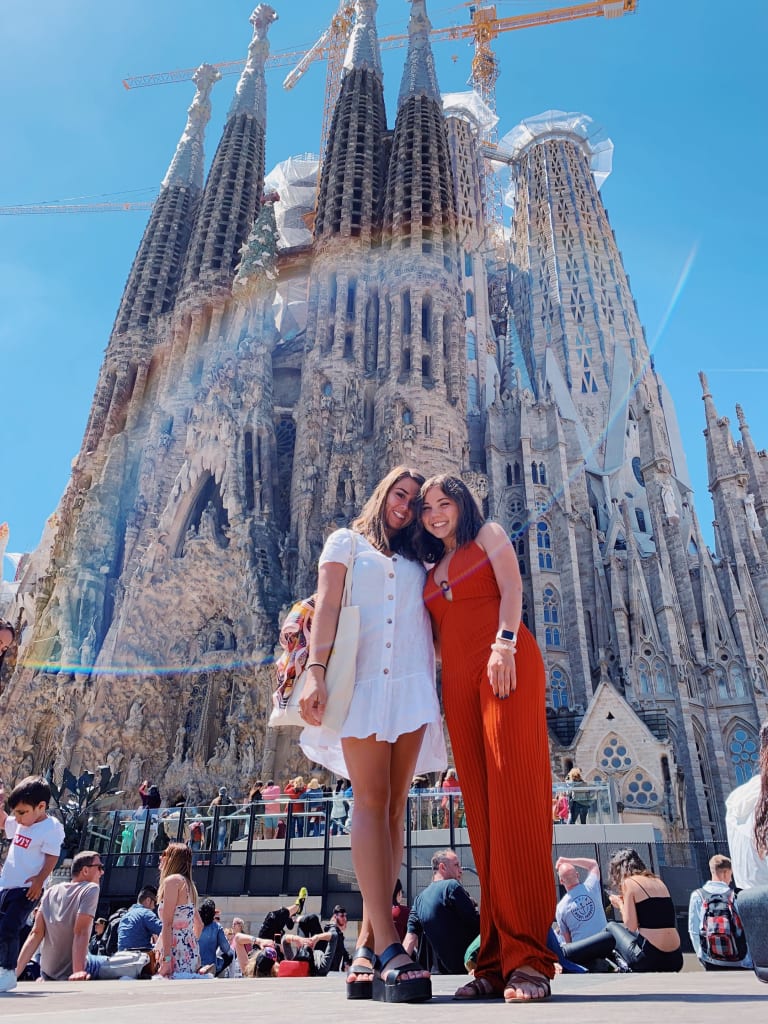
point(714, 924)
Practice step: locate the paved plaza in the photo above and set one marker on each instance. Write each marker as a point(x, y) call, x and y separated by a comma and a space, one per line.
point(691, 997)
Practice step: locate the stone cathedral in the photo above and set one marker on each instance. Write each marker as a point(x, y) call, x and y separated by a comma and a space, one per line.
point(279, 347)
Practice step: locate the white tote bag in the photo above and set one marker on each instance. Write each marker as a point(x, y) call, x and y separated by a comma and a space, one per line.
point(340, 671)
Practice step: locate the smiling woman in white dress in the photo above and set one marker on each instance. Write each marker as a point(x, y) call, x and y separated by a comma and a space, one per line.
point(393, 729)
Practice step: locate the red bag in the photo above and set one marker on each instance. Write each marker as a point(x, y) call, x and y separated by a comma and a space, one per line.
point(293, 969)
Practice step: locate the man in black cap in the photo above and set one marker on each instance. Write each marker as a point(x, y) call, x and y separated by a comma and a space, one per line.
point(327, 946)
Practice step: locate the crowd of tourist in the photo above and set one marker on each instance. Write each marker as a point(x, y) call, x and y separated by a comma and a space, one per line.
point(466, 610)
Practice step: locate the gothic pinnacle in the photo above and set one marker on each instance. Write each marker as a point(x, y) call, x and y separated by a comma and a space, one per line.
point(363, 49)
point(419, 75)
point(251, 92)
point(187, 165)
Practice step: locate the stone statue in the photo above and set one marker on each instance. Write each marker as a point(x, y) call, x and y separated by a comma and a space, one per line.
point(114, 760)
point(670, 506)
point(135, 719)
point(179, 744)
point(749, 508)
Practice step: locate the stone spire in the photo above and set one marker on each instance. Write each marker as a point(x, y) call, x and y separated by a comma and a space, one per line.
point(363, 49)
point(153, 281)
point(419, 75)
point(420, 203)
point(232, 193)
point(251, 92)
point(189, 159)
point(352, 178)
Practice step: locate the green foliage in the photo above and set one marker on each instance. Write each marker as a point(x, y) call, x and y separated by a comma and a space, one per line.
point(75, 797)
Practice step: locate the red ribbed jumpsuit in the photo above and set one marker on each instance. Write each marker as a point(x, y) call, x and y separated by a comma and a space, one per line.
point(502, 758)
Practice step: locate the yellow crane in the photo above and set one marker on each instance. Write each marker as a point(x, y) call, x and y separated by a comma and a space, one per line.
point(483, 27)
point(27, 208)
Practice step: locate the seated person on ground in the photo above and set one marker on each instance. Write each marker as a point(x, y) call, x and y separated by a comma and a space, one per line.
point(327, 945)
point(215, 951)
point(446, 914)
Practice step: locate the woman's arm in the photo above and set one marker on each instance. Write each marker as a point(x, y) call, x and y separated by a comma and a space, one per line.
point(627, 905)
point(501, 664)
point(330, 590)
point(197, 924)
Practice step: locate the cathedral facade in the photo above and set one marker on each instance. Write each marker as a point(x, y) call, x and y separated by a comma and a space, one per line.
point(261, 376)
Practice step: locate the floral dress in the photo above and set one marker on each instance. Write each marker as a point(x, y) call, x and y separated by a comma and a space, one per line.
point(185, 954)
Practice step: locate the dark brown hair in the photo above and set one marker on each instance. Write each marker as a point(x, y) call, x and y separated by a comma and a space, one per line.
point(624, 864)
point(431, 549)
point(371, 522)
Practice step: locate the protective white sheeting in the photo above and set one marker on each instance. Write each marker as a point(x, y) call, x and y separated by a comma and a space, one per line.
point(295, 182)
point(559, 124)
point(471, 106)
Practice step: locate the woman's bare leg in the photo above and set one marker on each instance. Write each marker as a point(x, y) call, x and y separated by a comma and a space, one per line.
point(380, 774)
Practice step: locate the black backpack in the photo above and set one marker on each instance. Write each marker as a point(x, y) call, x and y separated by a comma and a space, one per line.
point(109, 938)
point(721, 934)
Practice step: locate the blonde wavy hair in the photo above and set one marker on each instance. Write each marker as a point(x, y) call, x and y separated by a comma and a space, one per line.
point(176, 859)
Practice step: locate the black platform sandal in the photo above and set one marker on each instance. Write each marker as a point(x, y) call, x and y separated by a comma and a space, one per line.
point(359, 988)
point(388, 986)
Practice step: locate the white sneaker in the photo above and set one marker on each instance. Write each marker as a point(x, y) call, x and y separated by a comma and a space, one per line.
point(7, 979)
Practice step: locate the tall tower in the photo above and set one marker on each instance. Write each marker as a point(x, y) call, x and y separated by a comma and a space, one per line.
point(169, 584)
point(333, 425)
point(233, 191)
point(420, 404)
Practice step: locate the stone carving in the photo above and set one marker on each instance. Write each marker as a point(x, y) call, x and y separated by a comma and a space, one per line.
point(749, 509)
point(670, 506)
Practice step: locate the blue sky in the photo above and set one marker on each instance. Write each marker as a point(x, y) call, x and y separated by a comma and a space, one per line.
point(678, 87)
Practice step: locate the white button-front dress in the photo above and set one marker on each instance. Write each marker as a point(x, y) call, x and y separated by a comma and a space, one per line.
point(395, 677)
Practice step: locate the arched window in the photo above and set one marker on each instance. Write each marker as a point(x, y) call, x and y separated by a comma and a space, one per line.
point(552, 636)
point(426, 319)
point(558, 685)
point(509, 474)
point(517, 536)
point(660, 677)
point(723, 692)
point(467, 264)
point(534, 472)
point(524, 616)
point(471, 345)
point(644, 678)
point(737, 678)
point(542, 473)
point(640, 791)
point(615, 756)
point(516, 472)
point(744, 755)
point(544, 544)
point(473, 393)
point(640, 516)
point(551, 606)
point(470, 303)
point(407, 416)
point(351, 298)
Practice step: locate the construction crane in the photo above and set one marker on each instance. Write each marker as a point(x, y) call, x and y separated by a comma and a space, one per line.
point(484, 26)
point(13, 211)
